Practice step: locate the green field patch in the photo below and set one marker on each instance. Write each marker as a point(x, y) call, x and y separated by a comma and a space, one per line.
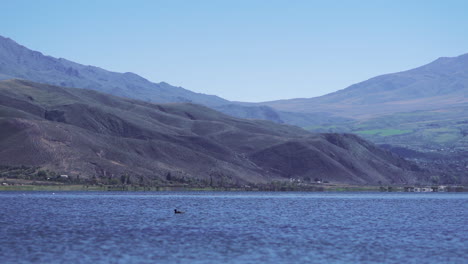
point(442, 135)
point(383, 132)
point(325, 128)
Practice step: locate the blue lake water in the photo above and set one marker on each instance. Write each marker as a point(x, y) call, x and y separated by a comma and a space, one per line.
point(233, 227)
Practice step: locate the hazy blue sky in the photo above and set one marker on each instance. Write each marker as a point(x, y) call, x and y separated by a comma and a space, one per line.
point(243, 50)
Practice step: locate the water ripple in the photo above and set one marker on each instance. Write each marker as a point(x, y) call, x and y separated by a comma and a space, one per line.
point(226, 227)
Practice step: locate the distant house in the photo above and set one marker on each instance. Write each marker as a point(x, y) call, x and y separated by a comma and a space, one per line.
point(426, 189)
point(294, 180)
point(422, 189)
point(64, 176)
point(419, 189)
point(441, 188)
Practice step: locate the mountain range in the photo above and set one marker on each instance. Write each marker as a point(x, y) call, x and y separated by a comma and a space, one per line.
point(414, 113)
point(440, 84)
point(87, 134)
point(421, 114)
point(17, 61)
point(422, 110)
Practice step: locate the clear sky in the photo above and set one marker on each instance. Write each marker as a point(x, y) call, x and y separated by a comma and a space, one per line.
point(250, 50)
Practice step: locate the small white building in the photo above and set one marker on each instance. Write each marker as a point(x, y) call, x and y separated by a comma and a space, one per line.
point(426, 189)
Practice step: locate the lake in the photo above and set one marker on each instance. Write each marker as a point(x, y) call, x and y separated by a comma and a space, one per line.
point(233, 227)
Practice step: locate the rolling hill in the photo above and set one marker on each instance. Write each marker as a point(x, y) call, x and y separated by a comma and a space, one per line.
point(91, 135)
point(19, 62)
point(441, 84)
point(423, 111)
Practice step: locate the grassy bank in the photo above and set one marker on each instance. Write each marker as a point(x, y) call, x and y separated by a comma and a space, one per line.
point(41, 186)
point(30, 185)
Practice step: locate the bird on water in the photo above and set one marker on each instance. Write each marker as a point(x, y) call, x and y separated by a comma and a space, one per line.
point(178, 212)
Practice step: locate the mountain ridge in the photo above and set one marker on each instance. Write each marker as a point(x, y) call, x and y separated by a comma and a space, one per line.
point(441, 83)
point(17, 61)
point(93, 135)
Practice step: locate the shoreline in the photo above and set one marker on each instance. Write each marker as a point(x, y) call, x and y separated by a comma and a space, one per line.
point(66, 188)
point(129, 188)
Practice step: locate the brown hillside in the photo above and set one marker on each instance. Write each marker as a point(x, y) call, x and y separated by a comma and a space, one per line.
point(86, 133)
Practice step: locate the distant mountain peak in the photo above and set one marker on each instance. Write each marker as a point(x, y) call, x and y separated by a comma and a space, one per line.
point(8, 40)
point(17, 61)
point(442, 81)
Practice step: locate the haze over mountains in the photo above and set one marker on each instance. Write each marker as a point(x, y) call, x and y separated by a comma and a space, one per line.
point(443, 82)
point(17, 61)
point(439, 84)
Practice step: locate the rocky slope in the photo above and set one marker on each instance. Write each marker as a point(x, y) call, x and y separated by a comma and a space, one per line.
point(93, 135)
point(424, 110)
